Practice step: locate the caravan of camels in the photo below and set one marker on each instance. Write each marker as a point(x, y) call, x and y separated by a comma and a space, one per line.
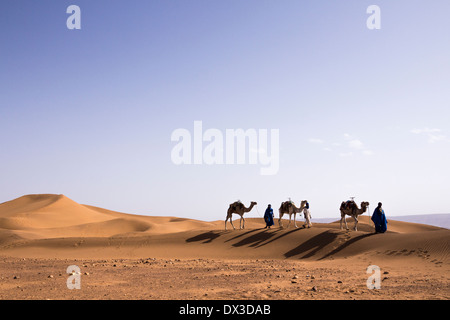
point(349, 208)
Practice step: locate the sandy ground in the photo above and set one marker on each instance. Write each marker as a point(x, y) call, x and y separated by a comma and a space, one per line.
point(124, 257)
point(211, 279)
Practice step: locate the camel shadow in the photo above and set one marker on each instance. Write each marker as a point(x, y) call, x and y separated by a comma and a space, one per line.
point(253, 238)
point(312, 246)
point(206, 237)
point(346, 244)
point(242, 234)
point(257, 240)
point(283, 234)
point(210, 236)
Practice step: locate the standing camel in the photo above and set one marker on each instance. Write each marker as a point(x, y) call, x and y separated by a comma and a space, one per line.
point(238, 208)
point(290, 208)
point(351, 209)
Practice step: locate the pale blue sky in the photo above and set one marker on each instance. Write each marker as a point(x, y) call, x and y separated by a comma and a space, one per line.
point(89, 113)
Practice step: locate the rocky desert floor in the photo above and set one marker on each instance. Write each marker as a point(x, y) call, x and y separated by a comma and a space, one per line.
point(213, 279)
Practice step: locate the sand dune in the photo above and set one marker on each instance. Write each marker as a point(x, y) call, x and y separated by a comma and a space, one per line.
point(440, 219)
point(47, 216)
point(38, 223)
point(46, 211)
point(50, 232)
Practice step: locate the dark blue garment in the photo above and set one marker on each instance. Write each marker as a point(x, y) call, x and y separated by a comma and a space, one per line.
point(268, 217)
point(307, 205)
point(379, 219)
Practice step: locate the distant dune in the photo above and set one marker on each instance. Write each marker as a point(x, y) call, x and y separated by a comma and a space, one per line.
point(437, 220)
point(54, 225)
point(440, 220)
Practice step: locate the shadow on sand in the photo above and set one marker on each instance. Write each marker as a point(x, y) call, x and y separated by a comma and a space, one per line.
point(206, 237)
point(346, 244)
point(252, 238)
point(257, 238)
point(312, 246)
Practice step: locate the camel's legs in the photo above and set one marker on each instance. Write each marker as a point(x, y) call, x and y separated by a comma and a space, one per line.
point(279, 220)
point(243, 223)
point(295, 220)
point(290, 215)
point(228, 217)
point(231, 221)
point(356, 222)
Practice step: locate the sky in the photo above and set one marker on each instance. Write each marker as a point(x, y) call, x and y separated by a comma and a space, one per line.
point(90, 112)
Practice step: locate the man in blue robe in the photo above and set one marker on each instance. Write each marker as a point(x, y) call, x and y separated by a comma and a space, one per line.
point(268, 217)
point(379, 219)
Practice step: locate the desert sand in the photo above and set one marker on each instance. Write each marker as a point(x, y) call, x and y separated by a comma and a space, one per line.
point(125, 256)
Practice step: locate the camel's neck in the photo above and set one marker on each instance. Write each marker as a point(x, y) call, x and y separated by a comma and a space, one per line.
point(249, 208)
point(362, 210)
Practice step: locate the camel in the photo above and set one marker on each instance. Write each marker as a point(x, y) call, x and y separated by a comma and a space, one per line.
point(351, 208)
point(238, 208)
point(290, 208)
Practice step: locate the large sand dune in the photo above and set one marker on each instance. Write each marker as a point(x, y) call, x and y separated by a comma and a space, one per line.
point(57, 222)
point(56, 227)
